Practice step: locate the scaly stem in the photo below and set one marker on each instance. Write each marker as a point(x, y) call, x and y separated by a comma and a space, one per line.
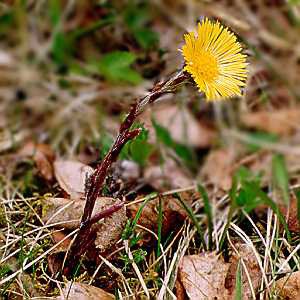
point(95, 182)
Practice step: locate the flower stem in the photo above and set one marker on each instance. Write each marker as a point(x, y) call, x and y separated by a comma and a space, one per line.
point(94, 184)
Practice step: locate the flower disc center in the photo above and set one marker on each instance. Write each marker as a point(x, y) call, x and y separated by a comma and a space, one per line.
point(206, 66)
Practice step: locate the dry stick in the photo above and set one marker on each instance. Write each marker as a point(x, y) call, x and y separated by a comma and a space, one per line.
point(95, 182)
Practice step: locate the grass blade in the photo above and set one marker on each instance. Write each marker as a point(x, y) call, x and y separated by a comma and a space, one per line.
point(193, 218)
point(238, 283)
point(208, 212)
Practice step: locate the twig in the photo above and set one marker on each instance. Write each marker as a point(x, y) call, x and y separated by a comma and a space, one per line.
point(95, 182)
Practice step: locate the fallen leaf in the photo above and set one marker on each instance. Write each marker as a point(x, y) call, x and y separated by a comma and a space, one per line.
point(173, 213)
point(57, 236)
point(207, 276)
point(167, 176)
point(55, 261)
point(43, 156)
point(291, 214)
point(65, 213)
point(180, 291)
point(203, 276)
point(181, 124)
point(81, 291)
point(71, 176)
point(218, 167)
point(281, 122)
point(245, 252)
point(288, 287)
point(127, 170)
point(221, 164)
point(110, 229)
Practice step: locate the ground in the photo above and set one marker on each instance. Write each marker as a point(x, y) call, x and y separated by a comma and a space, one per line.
point(207, 187)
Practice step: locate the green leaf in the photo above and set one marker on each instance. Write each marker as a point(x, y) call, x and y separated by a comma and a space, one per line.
point(294, 2)
point(245, 174)
point(138, 149)
point(106, 142)
point(4, 269)
point(255, 138)
point(247, 199)
point(268, 201)
point(163, 135)
point(115, 66)
point(6, 20)
point(55, 11)
point(139, 255)
point(61, 48)
point(146, 37)
point(104, 21)
point(136, 17)
point(280, 176)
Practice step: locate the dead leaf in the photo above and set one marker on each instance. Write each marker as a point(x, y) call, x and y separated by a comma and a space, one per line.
point(281, 122)
point(288, 287)
point(291, 214)
point(56, 258)
point(110, 229)
point(57, 236)
point(181, 124)
point(167, 176)
point(127, 170)
point(180, 291)
point(203, 276)
point(81, 291)
point(55, 261)
point(43, 156)
point(245, 252)
point(207, 276)
point(221, 164)
point(173, 213)
point(67, 214)
point(71, 176)
point(218, 167)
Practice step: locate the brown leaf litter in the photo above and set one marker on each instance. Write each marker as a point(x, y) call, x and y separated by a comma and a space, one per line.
point(221, 164)
point(181, 124)
point(172, 211)
point(207, 276)
point(42, 155)
point(288, 287)
point(71, 176)
point(291, 214)
point(81, 291)
point(66, 213)
point(168, 176)
point(281, 122)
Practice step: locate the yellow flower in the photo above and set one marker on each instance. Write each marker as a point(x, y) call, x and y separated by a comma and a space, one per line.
point(215, 61)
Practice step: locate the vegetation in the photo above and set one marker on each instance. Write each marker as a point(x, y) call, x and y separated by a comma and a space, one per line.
point(190, 183)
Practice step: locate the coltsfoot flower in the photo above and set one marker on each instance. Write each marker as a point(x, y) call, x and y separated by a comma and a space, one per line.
point(214, 60)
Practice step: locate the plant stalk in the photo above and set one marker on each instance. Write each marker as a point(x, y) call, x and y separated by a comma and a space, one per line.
point(95, 182)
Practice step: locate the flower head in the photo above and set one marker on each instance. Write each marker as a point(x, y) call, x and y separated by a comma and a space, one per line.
point(215, 61)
